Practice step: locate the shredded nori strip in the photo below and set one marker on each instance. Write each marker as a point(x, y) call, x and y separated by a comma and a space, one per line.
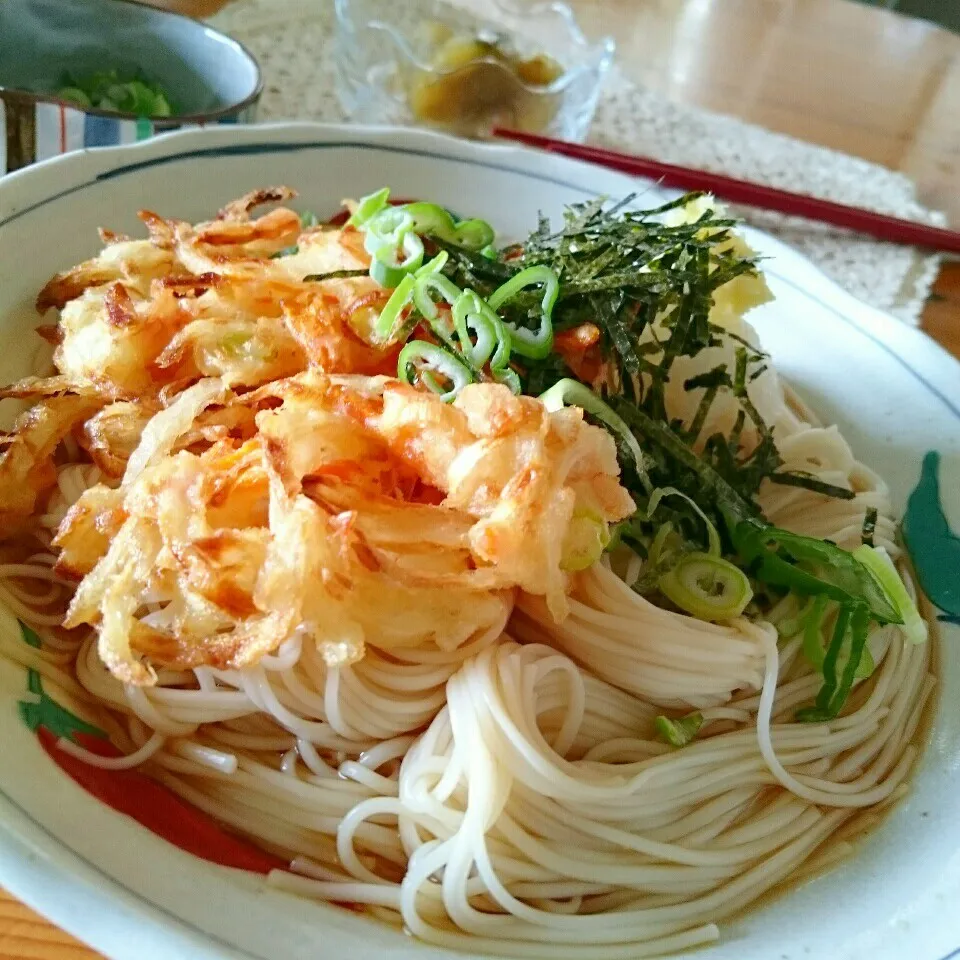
point(334, 275)
point(809, 482)
point(649, 287)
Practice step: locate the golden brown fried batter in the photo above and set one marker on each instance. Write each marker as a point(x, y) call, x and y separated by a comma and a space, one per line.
point(261, 475)
point(361, 511)
point(214, 300)
point(26, 455)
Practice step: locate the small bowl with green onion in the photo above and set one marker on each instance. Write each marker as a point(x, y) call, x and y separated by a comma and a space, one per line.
point(92, 73)
point(113, 91)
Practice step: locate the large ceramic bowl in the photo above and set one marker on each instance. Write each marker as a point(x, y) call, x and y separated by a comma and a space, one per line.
point(894, 393)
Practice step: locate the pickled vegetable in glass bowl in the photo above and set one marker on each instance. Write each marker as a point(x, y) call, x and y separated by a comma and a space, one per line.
point(526, 65)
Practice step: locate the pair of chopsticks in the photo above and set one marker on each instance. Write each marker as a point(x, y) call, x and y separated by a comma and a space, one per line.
point(876, 225)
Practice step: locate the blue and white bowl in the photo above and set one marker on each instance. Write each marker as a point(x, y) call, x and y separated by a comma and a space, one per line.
point(210, 78)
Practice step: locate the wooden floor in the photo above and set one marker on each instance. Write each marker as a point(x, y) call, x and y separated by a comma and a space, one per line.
point(941, 318)
point(26, 936)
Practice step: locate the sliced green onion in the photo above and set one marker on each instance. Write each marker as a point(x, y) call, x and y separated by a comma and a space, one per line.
point(509, 379)
point(812, 626)
point(107, 90)
point(808, 566)
point(489, 252)
point(659, 543)
point(866, 666)
point(434, 281)
point(813, 641)
point(75, 95)
point(528, 343)
point(707, 587)
point(878, 562)
point(432, 220)
point(435, 265)
point(161, 106)
point(472, 313)
point(387, 229)
point(713, 537)
point(678, 733)
point(568, 392)
point(401, 298)
point(855, 620)
point(473, 234)
point(422, 359)
point(388, 270)
point(859, 634)
point(368, 207)
point(427, 284)
point(587, 537)
point(789, 626)
point(831, 658)
point(134, 97)
point(122, 95)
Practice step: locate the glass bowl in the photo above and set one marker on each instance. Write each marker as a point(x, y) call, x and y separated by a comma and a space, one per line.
point(390, 67)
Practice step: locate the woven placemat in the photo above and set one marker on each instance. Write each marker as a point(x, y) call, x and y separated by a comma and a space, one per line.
point(292, 41)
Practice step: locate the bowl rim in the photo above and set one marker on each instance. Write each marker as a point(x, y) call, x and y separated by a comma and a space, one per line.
point(16, 95)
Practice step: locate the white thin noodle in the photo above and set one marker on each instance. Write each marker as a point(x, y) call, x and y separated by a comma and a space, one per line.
point(512, 798)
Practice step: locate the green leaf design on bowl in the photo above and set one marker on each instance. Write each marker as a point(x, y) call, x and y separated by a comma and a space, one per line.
point(934, 548)
point(41, 710)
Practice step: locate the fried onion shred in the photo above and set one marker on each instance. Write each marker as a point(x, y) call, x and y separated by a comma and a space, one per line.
point(361, 511)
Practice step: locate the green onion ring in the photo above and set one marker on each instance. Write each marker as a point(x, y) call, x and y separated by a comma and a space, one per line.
point(878, 562)
point(385, 267)
point(707, 587)
point(472, 313)
point(387, 229)
point(432, 220)
point(424, 359)
point(368, 207)
point(401, 297)
point(527, 343)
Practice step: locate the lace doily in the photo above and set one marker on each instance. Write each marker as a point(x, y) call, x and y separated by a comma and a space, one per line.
point(291, 39)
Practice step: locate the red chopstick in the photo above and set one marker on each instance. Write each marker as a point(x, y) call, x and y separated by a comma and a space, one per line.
point(742, 191)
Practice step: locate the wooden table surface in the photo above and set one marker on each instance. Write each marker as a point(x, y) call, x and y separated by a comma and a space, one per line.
point(852, 77)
